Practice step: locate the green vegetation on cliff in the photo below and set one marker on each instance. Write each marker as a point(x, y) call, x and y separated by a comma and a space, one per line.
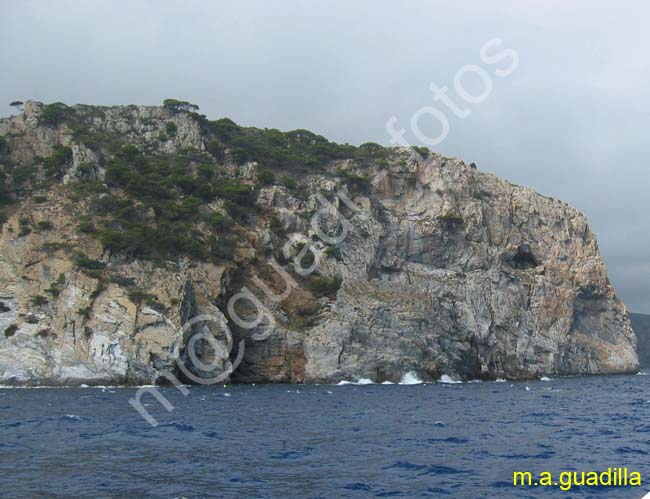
point(154, 202)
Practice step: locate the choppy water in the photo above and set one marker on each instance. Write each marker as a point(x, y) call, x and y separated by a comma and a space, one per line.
point(456, 440)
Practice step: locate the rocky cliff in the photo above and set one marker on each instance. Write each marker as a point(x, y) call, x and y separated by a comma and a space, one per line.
point(641, 326)
point(131, 232)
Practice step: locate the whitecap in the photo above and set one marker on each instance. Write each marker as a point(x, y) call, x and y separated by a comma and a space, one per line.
point(500, 380)
point(360, 381)
point(448, 380)
point(387, 383)
point(545, 378)
point(410, 378)
point(528, 388)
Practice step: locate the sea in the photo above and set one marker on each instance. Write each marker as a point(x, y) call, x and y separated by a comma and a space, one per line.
point(357, 439)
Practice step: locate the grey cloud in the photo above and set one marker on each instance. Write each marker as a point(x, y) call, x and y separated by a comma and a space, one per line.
point(570, 122)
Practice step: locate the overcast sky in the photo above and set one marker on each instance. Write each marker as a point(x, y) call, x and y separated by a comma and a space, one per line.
point(571, 121)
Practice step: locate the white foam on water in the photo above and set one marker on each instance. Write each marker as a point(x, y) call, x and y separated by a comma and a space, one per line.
point(360, 381)
point(387, 383)
point(500, 380)
point(545, 378)
point(641, 373)
point(410, 378)
point(448, 380)
point(528, 388)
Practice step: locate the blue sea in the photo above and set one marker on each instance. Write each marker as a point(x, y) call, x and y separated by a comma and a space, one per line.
point(422, 440)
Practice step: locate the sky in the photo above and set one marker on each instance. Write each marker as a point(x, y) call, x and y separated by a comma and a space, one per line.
point(570, 120)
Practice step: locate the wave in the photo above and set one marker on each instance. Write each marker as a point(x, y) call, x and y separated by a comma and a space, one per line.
point(448, 380)
point(360, 381)
point(410, 378)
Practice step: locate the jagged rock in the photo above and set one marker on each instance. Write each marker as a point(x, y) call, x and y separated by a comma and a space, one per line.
point(444, 270)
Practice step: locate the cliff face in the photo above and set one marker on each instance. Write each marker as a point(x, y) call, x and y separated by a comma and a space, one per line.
point(420, 264)
point(641, 326)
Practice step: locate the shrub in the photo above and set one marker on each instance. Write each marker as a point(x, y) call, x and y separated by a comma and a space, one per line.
point(220, 222)
point(481, 195)
point(422, 151)
point(11, 330)
point(241, 194)
point(223, 247)
point(296, 150)
point(215, 149)
point(370, 151)
point(153, 302)
point(55, 163)
point(54, 114)
point(121, 280)
point(289, 183)
point(171, 128)
point(39, 300)
point(325, 285)
point(44, 225)
point(117, 173)
point(225, 129)
point(88, 263)
point(55, 286)
point(450, 220)
point(90, 267)
point(85, 311)
point(84, 170)
point(4, 147)
point(138, 296)
point(87, 227)
point(176, 105)
point(275, 224)
point(40, 199)
point(333, 251)
point(358, 182)
point(265, 176)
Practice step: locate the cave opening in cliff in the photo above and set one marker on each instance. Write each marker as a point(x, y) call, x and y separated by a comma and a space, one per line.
point(523, 258)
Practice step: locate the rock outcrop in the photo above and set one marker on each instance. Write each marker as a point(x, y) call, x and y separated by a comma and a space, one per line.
point(366, 267)
point(641, 326)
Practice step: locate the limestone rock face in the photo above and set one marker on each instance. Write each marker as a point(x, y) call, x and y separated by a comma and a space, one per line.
point(443, 270)
point(453, 271)
point(76, 328)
